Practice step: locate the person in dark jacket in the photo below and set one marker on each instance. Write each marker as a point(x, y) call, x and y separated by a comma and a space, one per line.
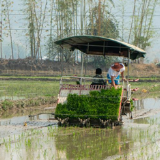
point(98, 78)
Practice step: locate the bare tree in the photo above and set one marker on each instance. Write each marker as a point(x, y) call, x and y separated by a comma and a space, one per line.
point(36, 20)
point(141, 33)
point(6, 10)
point(142, 22)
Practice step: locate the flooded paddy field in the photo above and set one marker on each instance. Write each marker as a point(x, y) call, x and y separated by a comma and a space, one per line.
point(41, 138)
point(30, 133)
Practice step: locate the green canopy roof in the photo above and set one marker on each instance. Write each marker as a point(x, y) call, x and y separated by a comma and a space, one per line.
point(95, 45)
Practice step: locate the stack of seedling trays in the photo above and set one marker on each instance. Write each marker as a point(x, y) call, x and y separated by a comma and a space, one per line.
point(98, 109)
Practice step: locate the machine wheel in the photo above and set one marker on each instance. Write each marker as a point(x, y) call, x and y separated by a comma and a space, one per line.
point(131, 116)
point(112, 124)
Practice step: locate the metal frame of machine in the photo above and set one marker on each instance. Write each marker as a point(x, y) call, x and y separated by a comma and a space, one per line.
point(94, 45)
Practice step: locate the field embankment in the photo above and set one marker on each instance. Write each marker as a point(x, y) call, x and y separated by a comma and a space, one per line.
point(28, 83)
point(47, 68)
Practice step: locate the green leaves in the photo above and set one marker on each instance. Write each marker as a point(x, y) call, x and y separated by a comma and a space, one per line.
point(98, 104)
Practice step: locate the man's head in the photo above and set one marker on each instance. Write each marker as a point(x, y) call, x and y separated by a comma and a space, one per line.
point(117, 66)
point(98, 71)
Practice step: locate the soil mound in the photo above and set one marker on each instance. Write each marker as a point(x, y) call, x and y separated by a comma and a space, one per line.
point(30, 64)
point(144, 70)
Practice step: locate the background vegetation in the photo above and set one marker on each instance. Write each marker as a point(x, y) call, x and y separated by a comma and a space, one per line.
point(50, 20)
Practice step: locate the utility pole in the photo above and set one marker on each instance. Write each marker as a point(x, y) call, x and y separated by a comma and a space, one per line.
point(82, 27)
point(1, 29)
point(99, 18)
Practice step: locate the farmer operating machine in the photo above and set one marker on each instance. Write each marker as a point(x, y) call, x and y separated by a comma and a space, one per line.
point(83, 104)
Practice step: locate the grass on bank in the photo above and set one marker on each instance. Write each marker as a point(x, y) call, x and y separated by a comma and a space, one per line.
point(152, 89)
point(149, 86)
point(51, 88)
point(29, 89)
point(22, 94)
point(14, 90)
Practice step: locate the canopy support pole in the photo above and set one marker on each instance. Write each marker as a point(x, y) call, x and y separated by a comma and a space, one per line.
point(104, 49)
point(82, 65)
point(128, 62)
point(61, 58)
point(87, 47)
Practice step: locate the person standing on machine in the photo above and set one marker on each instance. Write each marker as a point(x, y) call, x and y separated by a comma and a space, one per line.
point(114, 73)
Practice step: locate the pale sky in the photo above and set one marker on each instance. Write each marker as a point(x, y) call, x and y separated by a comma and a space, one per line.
point(18, 22)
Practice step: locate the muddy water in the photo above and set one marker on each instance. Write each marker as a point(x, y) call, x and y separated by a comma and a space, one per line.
point(19, 112)
point(148, 107)
point(17, 125)
point(137, 138)
point(22, 119)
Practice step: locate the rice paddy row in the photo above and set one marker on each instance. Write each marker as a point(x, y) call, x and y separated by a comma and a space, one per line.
point(85, 143)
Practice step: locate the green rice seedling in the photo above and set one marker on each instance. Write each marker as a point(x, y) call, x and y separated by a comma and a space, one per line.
point(45, 154)
point(28, 143)
point(104, 104)
point(7, 104)
point(39, 88)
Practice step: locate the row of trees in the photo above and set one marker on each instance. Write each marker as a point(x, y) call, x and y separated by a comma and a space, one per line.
point(50, 20)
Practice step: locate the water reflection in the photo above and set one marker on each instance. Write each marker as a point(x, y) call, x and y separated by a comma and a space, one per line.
point(84, 143)
point(70, 143)
point(147, 103)
point(92, 143)
point(151, 112)
point(139, 104)
point(130, 141)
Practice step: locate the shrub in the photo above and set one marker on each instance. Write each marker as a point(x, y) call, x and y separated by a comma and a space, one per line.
point(158, 65)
